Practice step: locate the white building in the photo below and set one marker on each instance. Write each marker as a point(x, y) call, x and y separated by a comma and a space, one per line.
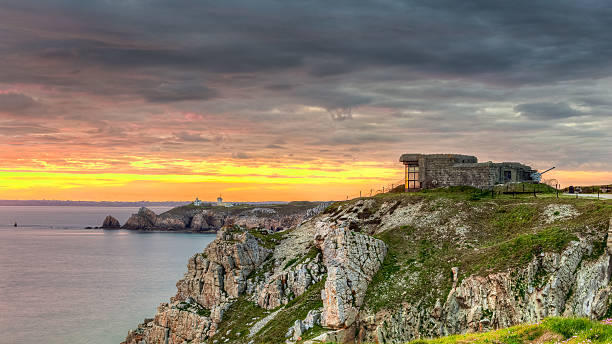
point(197, 202)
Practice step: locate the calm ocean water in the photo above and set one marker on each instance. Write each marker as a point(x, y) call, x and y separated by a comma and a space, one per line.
point(60, 283)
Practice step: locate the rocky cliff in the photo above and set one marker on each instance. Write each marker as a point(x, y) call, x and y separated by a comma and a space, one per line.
point(393, 268)
point(211, 218)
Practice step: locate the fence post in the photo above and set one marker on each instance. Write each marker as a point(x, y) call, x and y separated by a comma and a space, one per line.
point(359, 193)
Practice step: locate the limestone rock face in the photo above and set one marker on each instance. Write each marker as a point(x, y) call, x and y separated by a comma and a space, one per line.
point(111, 222)
point(199, 222)
point(571, 286)
point(278, 289)
point(171, 325)
point(213, 280)
point(197, 218)
point(335, 246)
point(220, 273)
point(144, 219)
point(300, 326)
point(170, 223)
point(351, 259)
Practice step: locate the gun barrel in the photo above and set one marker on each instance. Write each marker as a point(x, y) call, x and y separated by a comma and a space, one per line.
point(548, 170)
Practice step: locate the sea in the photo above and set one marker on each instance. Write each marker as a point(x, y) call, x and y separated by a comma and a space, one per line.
point(61, 283)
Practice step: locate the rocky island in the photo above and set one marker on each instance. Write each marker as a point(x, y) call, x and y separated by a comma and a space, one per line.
point(199, 218)
point(393, 268)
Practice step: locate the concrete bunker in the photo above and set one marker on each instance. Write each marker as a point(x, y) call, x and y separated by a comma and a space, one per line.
point(426, 171)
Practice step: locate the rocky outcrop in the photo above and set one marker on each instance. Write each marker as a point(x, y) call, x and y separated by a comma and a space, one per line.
point(213, 280)
point(351, 259)
point(198, 222)
point(220, 273)
point(144, 219)
point(552, 284)
point(275, 290)
point(276, 217)
point(170, 223)
point(326, 265)
point(300, 326)
point(110, 223)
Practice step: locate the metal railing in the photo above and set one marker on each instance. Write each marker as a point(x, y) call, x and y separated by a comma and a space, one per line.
point(373, 191)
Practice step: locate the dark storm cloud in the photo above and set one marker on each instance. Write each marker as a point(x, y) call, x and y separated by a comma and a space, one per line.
point(517, 42)
point(187, 137)
point(444, 73)
point(22, 128)
point(17, 103)
point(547, 110)
point(240, 155)
point(171, 92)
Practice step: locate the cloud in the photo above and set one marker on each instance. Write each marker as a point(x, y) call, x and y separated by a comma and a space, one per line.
point(187, 137)
point(240, 155)
point(547, 111)
point(22, 128)
point(315, 79)
point(17, 103)
point(172, 92)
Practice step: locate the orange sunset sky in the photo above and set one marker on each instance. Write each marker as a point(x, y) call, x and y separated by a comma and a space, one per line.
point(263, 101)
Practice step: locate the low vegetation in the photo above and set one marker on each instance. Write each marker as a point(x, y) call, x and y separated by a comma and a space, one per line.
point(551, 330)
point(280, 209)
point(478, 237)
point(237, 321)
point(274, 331)
point(268, 240)
point(244, 313)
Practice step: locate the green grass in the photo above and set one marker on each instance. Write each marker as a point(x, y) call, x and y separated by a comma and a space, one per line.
point(237, 319)
point(290, 262)
point(312, 333)
point(518, 251)
point(268, 240)
point(507, 236)
point(551, 330)
point(413, 264)
point(275, 330)
point(516, 216)
point(194, 308)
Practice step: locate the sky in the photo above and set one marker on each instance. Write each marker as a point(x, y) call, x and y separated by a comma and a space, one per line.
point(294, 100)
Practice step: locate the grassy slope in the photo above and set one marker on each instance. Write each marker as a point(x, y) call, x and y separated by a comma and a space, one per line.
point(551, 330)
point(505, 233)
point(243, 313)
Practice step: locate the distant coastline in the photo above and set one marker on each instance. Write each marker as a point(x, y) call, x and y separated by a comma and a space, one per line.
point(108, 203)
point(89, 203)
